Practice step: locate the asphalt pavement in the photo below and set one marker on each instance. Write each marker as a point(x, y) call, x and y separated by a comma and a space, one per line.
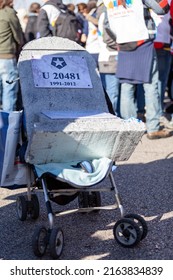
point(145, 184)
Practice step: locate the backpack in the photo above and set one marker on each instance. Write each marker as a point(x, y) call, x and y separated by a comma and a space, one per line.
point(68, 26)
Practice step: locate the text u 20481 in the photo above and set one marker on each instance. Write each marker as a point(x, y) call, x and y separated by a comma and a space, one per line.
point(61, 76)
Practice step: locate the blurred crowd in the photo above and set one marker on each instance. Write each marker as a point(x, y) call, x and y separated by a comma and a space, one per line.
point(136, 74)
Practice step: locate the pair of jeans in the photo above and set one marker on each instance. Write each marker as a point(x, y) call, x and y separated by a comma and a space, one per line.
point(128, 107)
point(111, 85)
point(164, 65)
point(8, 92)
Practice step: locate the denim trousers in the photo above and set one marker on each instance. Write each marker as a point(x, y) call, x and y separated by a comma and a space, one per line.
point(8, 92)
point(111, 85)
point(128, 106)
point(164, 65)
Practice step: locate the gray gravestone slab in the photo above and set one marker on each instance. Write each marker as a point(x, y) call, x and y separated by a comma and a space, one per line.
point(66, 113)
point(61, 99)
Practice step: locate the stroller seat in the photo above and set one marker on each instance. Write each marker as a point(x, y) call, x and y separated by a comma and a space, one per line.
point(74, 174)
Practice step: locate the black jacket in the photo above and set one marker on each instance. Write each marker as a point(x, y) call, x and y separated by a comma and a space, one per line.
point(43, 25)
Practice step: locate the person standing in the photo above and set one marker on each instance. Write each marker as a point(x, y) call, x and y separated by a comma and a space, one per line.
point(48, 14)
point(94, 10)
point(162, 45)
point(82, 9)
point(92, 43)
point(11, 41)
point(55, 19)
point(107, 64)
point(137, 60)
point(31, 26)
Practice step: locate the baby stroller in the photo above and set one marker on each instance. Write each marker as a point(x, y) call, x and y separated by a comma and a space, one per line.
point(72, 141)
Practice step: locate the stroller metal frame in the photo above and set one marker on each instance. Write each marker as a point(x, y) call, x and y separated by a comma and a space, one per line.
point(128, 231)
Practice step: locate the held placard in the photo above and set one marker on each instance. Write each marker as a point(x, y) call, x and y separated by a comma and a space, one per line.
point(60, 71)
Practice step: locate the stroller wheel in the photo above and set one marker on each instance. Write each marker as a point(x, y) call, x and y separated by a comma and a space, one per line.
point(40, 241)
point(87, 200)
point(22, 207)
point(83, 199)
point(127, 233)
point(56, 242)
point(94, 200)
point(35, 207)
point(141, 223)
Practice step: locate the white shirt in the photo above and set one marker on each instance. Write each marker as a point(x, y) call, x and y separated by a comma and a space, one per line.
point(128, 23)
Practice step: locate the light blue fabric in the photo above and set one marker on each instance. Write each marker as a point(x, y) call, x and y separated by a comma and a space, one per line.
point(128, 105)
point(76, 176)
point(8, 92)
point(111, 85)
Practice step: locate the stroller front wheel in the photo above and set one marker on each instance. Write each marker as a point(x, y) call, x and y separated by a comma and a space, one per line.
point(127, 233)
point(141, 222)
point(40, 241)
point(56, 242)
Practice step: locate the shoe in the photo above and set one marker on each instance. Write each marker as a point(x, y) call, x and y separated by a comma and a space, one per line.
point(169, 109)
point(166, 123)
point(159, 134)
point(141, 116)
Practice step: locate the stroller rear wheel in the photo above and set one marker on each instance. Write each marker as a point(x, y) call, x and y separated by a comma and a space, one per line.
point(21, 207)
point(27, 207)
point(89, 199)
point(141, 222)
point(127, 233)
point(40, 241)
point(35, 207)
point(56, 242)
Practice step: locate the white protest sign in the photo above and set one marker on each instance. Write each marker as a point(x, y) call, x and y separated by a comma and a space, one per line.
point(128, 23)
